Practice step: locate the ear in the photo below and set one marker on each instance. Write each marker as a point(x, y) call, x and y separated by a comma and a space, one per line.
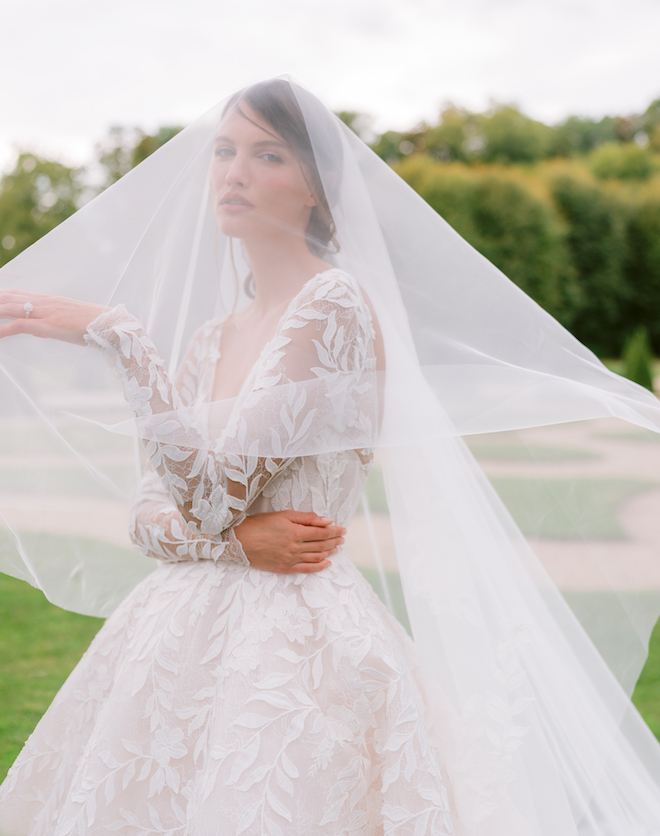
point(311, 201)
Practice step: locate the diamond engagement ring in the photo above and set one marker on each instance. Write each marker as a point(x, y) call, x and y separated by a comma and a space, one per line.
point(28, 307)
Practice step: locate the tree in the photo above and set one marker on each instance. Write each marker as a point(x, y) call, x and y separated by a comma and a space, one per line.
point(649, 124)
point(577, 135)
point(643, 268)
point(597, 239)
point(516, 230)
point(124, 148)
point(455, 137)
point(359, 123)
point(35, 196)
point(638, 360)
point(511, 137)
point(621, 160)
point(502, 134)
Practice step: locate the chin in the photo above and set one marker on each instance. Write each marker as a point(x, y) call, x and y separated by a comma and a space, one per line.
point(234, 227)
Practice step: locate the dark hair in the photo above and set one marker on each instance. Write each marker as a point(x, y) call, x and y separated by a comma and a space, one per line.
point(276, 103)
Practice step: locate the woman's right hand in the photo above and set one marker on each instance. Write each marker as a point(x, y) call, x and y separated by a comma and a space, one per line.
point(289, 541)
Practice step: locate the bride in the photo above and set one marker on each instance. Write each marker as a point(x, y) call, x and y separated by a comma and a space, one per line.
point(254, 683)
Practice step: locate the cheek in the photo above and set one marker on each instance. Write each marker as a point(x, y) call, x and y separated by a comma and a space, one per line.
point(289, 192)
point(216, 175)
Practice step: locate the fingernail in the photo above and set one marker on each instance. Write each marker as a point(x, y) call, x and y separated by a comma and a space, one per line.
point(326, 519)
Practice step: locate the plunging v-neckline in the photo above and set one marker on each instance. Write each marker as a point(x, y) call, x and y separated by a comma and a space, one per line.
point(217, 339)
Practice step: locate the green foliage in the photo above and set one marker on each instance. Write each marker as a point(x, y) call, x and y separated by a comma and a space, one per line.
point(501, 135)
point(509, 224)
point(643, 266)
point(35, 196)
point(387, 146)
point(512, 137)
point(596, 235)
point(649, 124)
point(624, 161)
point(638, 359)
point(359, 123)
point(577, 135)
point(124, 148)
point(455, 137)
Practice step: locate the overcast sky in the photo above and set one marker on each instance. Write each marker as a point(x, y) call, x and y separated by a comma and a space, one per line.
point(69, 69)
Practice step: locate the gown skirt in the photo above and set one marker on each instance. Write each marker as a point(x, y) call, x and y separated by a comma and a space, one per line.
point(221, 699)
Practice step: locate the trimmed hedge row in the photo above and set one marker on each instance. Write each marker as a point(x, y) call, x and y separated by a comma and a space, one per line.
point(586, 249)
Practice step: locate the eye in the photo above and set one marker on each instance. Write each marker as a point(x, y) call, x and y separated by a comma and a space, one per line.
point(224, 151)
point(271, 158)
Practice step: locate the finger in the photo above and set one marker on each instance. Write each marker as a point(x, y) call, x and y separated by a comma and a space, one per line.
point(20, 297)
point(316, 556)
point(320, 546)
point(309, 568)
point(18, 326)
point(312, 534)
point(313, 557)
point(12, 309)
point(308, 518)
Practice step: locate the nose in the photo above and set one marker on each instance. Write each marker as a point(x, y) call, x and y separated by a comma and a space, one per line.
point(236, 173)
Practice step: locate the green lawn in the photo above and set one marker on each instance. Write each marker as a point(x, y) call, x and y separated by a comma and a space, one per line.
point(531, 453)
point(647, 692)
point(64, 480)
point(641, 435)
point(39, 646)
point(32, 438)
point(555, 509)
point(559, 509)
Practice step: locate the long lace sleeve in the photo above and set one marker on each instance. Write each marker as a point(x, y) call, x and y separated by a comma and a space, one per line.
point(157, 529)
point(326, 333)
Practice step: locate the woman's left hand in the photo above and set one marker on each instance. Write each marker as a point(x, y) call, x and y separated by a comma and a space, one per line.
point(43, 315)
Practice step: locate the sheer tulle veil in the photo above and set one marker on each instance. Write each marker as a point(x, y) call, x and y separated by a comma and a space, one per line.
point(527, 685)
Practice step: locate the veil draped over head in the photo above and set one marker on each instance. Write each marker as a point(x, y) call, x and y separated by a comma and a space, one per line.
point(530, 604)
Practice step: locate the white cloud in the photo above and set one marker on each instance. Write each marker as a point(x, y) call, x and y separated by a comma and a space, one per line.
point(70, 69)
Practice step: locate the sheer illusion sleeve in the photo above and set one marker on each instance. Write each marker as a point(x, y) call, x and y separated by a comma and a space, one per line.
point(326, 333)
point(157, 529)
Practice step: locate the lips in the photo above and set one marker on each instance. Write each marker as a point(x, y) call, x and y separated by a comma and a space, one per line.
point(236, 201)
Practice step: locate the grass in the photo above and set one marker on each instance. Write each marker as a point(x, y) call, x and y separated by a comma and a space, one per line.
point(553, 509)
point(568, 509)
point(40, 645)
point(65, 480)
point(645, 436)
point(532, 453)
point(32, 438)
point(647, 692)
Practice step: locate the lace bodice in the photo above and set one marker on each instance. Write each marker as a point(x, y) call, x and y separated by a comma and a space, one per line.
point(192, 494)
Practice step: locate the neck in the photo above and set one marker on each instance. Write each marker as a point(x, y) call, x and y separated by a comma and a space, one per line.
point(280, 267)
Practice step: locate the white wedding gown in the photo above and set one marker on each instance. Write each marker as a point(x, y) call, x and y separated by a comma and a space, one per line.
point(218, 698)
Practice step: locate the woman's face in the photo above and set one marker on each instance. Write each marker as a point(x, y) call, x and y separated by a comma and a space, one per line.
point(258, 185)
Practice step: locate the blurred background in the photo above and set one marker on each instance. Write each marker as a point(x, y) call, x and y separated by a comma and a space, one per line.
point(532, 126)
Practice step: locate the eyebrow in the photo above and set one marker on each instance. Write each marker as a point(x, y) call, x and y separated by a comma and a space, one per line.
point(261, 144)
